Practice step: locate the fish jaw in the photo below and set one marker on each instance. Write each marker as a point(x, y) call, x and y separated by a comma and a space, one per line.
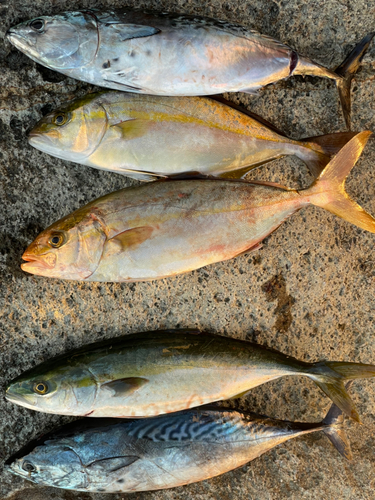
point(44, 143)
point(64, 42)
point(40, 264)
point(16, 397)
point(21, 42)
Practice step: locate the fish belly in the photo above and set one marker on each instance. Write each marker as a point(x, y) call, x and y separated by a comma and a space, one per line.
point(170, 148)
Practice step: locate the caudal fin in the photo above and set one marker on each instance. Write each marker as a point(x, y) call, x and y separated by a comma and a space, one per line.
point(347, 70)
point(328, 189)
point(330, 377)
point(320, 149)
point(343, 74)
point(334, 430)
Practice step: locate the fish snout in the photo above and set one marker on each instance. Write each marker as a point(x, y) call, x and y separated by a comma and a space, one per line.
point(36, 262)
point(14, 396)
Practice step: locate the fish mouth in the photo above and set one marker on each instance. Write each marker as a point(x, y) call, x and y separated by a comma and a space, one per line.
point(16, 39)
point(35, 264)
point(13, 397)
point(43, 143)
point(38, 140)
point(23, 44)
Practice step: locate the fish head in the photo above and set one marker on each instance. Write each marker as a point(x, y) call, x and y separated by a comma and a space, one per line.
point(74, 131)
point(50, 463)
point(61, 385)
point(71, 248)
point(62, 42)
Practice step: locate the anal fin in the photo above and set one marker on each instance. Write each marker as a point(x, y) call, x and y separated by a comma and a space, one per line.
point(253, 248)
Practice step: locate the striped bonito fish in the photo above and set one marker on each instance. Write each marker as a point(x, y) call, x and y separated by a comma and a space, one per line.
point(169, 54)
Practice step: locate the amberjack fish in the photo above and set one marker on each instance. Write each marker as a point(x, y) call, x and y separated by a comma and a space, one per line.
point(148, 137)
point(152, 373)
point(165, 228)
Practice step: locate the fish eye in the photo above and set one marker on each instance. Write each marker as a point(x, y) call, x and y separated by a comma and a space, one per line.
point(60, 119)
point(28, 466)
point(37, 25)
point(40, 388)
point(56, 240)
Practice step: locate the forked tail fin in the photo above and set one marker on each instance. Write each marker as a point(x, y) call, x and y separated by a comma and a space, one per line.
point(343, 74)
point(335, 431)
point(320, 149)
point(347, 70)
point(330, 377)
point(328, 190)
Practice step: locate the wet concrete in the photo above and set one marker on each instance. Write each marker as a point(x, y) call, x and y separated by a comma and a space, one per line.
point(309, 292)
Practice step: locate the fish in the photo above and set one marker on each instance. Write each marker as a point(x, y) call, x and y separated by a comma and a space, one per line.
point(124, 456)
point(150, 137)
point(169, 54)
point(164, 228)
point(153, 373)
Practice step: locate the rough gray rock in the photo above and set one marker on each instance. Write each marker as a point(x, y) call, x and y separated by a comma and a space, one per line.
point(309, 292)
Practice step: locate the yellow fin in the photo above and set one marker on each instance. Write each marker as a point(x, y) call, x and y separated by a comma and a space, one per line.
point(240, 395)
point(328, 190)
point(131, 129)
point(241, 172)
point(129, 239)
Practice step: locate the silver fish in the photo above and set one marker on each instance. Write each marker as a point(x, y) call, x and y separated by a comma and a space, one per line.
point(146, 137)
point(169, 54)
point(157, 453)
point(152, 373)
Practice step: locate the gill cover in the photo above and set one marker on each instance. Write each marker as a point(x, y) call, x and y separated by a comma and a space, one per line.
point(89, 241)
point(65, 41)
point(72, 132)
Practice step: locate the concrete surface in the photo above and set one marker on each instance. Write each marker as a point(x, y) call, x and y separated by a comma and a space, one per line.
point(309, 292)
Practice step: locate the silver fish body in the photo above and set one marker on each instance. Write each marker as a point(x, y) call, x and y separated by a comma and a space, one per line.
point(147, 137)
point(168, 54)
point(157, 453)
point(155, 53)
point(152, 373)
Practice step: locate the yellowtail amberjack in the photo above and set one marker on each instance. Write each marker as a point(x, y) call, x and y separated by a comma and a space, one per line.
point(152, 373)
point(164, 228)
point(148, 137)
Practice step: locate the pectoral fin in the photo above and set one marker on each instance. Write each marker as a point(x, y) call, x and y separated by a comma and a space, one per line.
point(131, 129)
point(128, 239)
point(124, 386)
point(129, 31)
point(112, 464)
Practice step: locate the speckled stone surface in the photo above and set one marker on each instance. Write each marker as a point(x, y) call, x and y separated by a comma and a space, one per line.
point(309, 292)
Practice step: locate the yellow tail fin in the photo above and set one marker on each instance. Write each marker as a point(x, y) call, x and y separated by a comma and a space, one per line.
point(328, 190)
